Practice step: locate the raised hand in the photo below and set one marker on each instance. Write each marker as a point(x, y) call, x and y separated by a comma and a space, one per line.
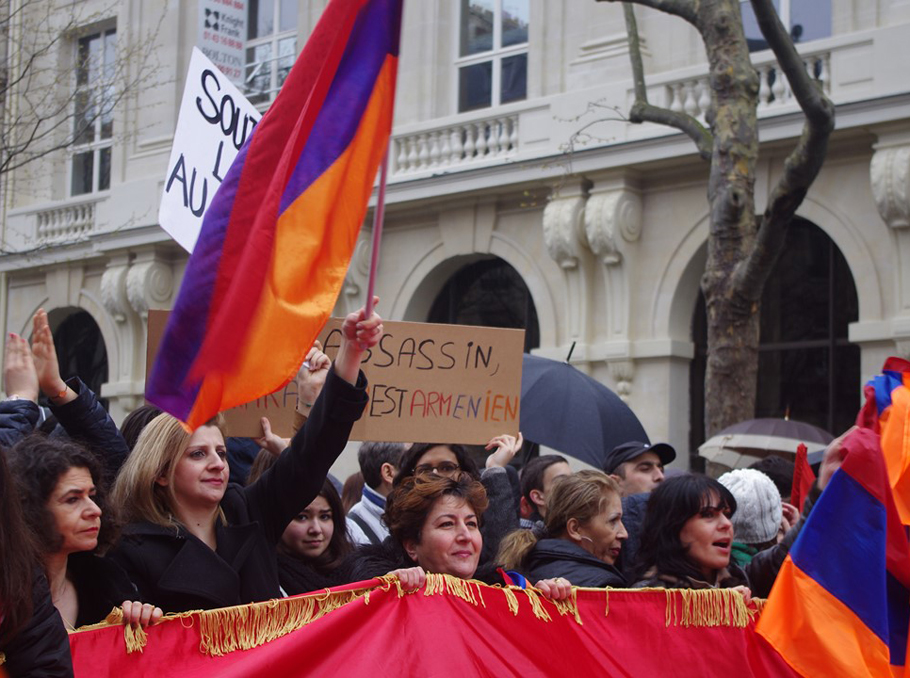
point(270, 440)
point(358, 333)
point(46, 365)
point(19, 376)
point(506, 448)
point(311, 378)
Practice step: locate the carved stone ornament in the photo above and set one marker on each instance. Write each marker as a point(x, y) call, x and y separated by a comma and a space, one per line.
point(609, 214)
point(623, 373)
point(149, 284)
point(563, 229)
point(113, 292)
point(890, 175)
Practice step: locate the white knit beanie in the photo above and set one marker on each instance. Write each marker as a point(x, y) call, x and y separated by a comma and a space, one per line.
point(758, 510)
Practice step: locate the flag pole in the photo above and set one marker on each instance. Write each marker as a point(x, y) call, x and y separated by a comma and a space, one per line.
point(378, 215)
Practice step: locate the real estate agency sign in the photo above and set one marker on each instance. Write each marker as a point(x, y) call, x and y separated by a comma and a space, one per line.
point(222, 32)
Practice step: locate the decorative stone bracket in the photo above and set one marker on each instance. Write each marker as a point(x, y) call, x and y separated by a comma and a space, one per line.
point(136, 287)
point(564, 236)
point(602, 218)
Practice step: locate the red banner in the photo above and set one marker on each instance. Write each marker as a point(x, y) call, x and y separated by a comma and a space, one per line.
point(451, 627)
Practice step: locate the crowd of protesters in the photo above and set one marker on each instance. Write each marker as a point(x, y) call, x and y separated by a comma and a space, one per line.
point(147, 518)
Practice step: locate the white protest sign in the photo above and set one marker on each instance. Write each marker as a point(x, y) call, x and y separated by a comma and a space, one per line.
point(215, 119)
point(222, 34)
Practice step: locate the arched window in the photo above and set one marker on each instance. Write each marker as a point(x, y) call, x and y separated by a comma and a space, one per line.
point(807, 368)
point(80, 348)
point(488, 293)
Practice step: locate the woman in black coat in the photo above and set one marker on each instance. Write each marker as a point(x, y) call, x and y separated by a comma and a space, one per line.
point(195, 542)
point(583, 534)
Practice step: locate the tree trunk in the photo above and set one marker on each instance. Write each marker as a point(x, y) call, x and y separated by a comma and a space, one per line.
point(733, 319)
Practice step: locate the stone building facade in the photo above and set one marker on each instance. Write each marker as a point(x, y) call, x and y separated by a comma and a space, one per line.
point(510, 154)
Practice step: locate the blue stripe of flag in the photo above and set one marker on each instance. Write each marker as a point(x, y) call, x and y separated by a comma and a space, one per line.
point(842, 547)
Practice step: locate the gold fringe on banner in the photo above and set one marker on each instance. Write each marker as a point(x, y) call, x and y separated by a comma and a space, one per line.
point(537, 607)
point(511, 599)
point(244, 627)
point(707, 607)
point(569, 606)
point(247, 626)
point(460, 588)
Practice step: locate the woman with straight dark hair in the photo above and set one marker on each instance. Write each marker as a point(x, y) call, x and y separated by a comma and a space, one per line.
point(687, 536)
point(315, 543)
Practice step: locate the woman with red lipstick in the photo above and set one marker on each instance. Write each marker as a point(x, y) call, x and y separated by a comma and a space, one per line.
point(196, 542)
point(687, 536)
point(583, 534)
point(64, 505)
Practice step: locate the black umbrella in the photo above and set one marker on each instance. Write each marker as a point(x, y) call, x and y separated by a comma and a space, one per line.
point(569, 411)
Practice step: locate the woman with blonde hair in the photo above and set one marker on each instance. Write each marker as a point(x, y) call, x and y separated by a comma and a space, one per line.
point(583, 534)
point(195, 542)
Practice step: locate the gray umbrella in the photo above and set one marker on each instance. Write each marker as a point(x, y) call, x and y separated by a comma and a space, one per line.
point(569, 411)
point(741, 444)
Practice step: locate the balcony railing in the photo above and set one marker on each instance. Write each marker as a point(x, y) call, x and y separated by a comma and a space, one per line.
point(693, 95)
point(70, 222)
point(455, 146)
point(540, 128)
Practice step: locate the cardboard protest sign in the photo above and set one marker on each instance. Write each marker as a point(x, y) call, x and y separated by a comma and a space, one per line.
point(215, 119)
point(427, 382)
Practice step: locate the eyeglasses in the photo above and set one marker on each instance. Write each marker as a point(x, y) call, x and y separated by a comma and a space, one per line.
point(446, 468)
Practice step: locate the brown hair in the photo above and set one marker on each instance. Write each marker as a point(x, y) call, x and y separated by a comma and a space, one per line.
point(580, 495)
point(409, 504)
point(157, 451)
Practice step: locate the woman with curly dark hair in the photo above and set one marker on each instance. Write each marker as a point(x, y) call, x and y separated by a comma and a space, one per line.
point(32, 638)
point(63, 501)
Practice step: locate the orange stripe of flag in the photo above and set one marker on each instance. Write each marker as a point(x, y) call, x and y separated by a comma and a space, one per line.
point(816, 633)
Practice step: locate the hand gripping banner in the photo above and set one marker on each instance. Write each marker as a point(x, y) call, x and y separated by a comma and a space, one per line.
point(449, 627)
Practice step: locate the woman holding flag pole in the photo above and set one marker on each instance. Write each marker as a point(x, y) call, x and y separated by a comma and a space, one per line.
point(195, 542)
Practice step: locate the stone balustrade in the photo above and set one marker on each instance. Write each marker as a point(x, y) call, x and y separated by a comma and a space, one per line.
point(693, 95)
point(68, 222)
point(455, 146)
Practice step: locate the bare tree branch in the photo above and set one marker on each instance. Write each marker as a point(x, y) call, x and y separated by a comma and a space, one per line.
point(686, 9)
point(44, 120)
point(642, 111)
point(802, 165)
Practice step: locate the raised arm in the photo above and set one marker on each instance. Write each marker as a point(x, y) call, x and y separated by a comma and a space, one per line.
point(73, 403)
point(19, 410)
point(297, 476)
